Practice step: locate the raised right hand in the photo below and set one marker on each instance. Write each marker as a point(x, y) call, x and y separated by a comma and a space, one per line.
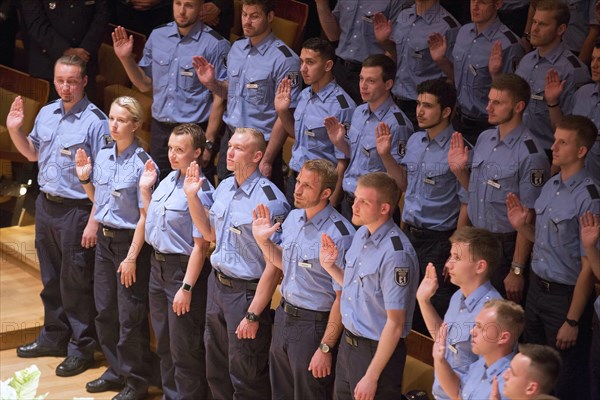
point(149, 176)
point(121, 43)
point(16, 116)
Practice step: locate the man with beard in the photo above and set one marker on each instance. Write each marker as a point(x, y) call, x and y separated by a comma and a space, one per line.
point(323, 98)
point(65, 230)
point(506, 159)
point(308, 322)
point(256, 64)
point(166, 68)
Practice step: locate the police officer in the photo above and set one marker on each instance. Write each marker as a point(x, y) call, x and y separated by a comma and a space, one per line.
point(496, 350)
point(586, 102)
point(378, 112)
point(379, 283)
point(432, 206)
point(351, 23)
point(65, 231)
point(413, 39)
point(256, 65)
point(506, 159)
point(63, 28)
point(559, 305)
point(475, 254)
point(301, 364)
point(166, 68)
point(549, 25)
point(323, 98)
point(179, 268)
point(238, 318)
point(484, 48)
point(120, 287)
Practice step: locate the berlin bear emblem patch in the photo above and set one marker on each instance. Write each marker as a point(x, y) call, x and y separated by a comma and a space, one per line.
point(401, 276)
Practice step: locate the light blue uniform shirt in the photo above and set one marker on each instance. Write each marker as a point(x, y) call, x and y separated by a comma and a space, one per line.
point(56, 137)
point(357, 35)
point(362, 141)
point(381, 273)
point(533, 69)
point(410, 32)
point(516, 164)
point(432, 198)
point(471, 56)
point(477, 383)
point(460, 318)
point(305, 283)
point(312, 141)
point(587, 103)
point(583, 14)
point(169, 226)
point(116, 194)
point(236, 253)
point(253, 74)
point(178, 95)
point(557, 249)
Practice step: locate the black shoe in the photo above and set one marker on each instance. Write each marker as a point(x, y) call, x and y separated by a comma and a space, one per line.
point(35, 349)
point(102, 385)
point(73, 365)
point(130, 394)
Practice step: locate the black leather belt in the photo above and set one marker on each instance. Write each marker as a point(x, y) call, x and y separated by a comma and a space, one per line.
point(351, 66)
point(234, 282)
point(552, 287)
point(467, 120)
point(163, 257)
point(357, 341)
point(66, 201)
point(427, 233)
point(113, 232)
point(349, 197)
point(505, 237)
point(303, 313)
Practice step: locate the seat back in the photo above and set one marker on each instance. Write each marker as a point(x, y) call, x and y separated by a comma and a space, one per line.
point(297, 12)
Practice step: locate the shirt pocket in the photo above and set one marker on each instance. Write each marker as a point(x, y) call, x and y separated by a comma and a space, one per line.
point(258, 87)
point(370, 287)
point(563, 226)
point(186, 75)
point(69, 145)
point(127, 189)
point(101, 190)
point(463, 357)
point(437, 180)
point(502, 179)
point(177, 212)
point(160, 67)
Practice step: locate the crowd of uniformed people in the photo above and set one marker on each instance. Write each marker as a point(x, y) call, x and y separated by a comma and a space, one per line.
point(443, 177)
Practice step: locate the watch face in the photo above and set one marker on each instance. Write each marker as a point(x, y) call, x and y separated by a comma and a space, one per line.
point(324, 348)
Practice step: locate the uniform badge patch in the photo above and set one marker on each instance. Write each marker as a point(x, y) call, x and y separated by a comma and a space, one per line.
point(280, 219)
point(401, 276)
point(402, 148)
point(537, 177)
point(294, 78)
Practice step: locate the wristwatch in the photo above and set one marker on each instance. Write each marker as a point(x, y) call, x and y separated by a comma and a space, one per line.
point(325, 348)
point(186, 287)
point(572, 322)
point(208, 145)
point(250, 316)
point(516, 268)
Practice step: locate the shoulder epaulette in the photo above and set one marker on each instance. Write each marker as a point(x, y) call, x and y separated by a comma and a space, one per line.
point(341, 227)
point(216, 34)
point(286, 52)
point(511, 36)
point(399, 118)
point(205, 185)
point(397, 243)
point(269, 192)
point(574, 61)
point(342, 100)
point(450, 21)
point(531, 147)
point(51, 101)
point(143, 156)
point(593, 191)
point(99, 114)
point(162, 26)
point(240, 38)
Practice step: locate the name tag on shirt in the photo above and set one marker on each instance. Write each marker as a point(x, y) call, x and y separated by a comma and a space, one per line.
point(186, 73)
point(368, 18)
point(416, 54)
point(429, 181)
point(453, 348)
point(116, 193)
point(473, 69)
point(538, 97)
point(309, 133)
point(365, 151)
point(493, 183)
point(304, 264)
point(235, 230)
point(251, 85)
point(65, 152)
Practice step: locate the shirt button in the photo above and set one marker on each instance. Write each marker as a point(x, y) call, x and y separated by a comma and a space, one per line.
point(349, 298)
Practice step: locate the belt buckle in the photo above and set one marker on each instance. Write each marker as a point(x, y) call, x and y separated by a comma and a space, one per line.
point(159, 256)
point(107, 232)
point(54, 199)
point(545, 285)
point(224, 280)
point(289, 309)
point(351, 341)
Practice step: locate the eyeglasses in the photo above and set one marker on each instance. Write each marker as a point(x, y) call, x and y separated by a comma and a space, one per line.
point(68, 82)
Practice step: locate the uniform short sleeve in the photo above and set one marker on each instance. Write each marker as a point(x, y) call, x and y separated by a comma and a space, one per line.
point(534, 172)
point(146, 61)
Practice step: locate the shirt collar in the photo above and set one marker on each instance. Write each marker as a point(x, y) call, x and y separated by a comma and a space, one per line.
point(194, 33)
point(490, 31)
point(444, 136)
point(431, 14)
point(77, 109)
point(498, 367)
point(381, 110)
point(553, 55)
point(263, 46)
point(471, 301)
point(512, 137)
point(319, 218)
point(380, 233)
point(325, 91)
point(126, 154)
point(248, 185)
point(575, 180)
